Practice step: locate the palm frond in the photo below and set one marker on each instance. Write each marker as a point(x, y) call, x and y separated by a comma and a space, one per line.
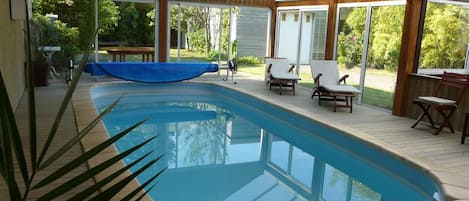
point(66, 100)
point(88, 155)
point(31, 97)
point(109, 193)
point(141, 187)
point(78, 137)
point(87, 192)
point(10, 138)
point(72, 183)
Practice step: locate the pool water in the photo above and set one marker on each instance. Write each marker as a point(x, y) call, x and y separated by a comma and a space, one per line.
point(219, 144)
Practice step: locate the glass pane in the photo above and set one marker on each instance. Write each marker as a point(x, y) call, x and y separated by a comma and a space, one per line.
point(383, 55)
point(312, 42)
point(335, 184)
point(319, 19)
point(445, 36)
point(302, 166)
point(199, 32)
point(134, 33)
point(350, 38)
point(279, 154)
point(360, 192)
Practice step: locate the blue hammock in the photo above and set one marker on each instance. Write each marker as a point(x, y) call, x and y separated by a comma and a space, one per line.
point(150, 72)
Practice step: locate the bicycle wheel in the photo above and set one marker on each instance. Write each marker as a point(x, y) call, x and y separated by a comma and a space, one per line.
point(68, 78)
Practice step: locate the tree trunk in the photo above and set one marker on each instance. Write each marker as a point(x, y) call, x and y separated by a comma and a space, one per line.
point(208, 44)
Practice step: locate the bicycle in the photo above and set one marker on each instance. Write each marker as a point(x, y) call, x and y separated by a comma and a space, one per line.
point(69, 75)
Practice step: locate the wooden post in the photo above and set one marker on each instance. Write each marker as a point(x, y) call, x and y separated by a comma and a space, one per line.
point(409, 52)
point(163, 31)
point(273, 25)
point(330, 35)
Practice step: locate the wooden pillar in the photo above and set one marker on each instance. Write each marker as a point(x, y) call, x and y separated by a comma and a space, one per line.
point(163, 31)
point(409, 52)
point(273, 25)
point(331, 24)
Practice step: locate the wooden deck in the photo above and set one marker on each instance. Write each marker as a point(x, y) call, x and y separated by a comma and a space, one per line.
point(440, 155)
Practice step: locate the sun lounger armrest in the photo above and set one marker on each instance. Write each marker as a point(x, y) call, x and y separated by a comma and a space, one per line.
point(269, 68)
point(342, 79)
point(291, 68)
point(316, 79)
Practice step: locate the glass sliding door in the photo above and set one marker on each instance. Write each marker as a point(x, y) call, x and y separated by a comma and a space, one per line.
point(197, 32)
point(367, 48)
point(301, 37)
point(134, 30)
point(349, 41)
point(383, 55)
point(218, 33)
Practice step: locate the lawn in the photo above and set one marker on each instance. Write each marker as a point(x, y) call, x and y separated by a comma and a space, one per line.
point(374, 96)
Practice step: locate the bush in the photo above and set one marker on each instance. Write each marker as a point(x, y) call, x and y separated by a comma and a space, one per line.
point(248, 60)
point(57, 34)
point(213, 55)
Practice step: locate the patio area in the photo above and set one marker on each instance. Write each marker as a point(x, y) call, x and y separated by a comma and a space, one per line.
point(441, 155)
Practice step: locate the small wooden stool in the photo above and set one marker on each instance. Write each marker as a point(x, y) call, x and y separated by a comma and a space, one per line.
point(464, 131)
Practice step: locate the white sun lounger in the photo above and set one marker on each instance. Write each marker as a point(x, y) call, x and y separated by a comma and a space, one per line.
point(279, 73)
point(328, 84)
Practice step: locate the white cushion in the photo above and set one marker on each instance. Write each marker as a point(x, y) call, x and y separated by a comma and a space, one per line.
point(341, 89)
point(328, 69)
point(437, 100)
point(285, 76)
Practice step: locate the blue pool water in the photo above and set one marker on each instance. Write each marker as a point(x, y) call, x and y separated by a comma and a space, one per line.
point(219, 144)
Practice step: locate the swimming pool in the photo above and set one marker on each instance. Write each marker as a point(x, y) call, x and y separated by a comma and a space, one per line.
point(223, 145)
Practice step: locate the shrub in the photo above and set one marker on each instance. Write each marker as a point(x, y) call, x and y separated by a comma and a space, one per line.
point(57, 33)
point(213, 55)
point(248, 60)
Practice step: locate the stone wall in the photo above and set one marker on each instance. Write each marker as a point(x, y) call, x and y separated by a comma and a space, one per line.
point(12, 53)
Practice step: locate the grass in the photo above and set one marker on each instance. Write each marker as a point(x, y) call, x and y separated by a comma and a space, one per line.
point(374, 96)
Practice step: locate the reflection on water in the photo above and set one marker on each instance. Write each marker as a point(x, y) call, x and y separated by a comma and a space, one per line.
point(213, 153)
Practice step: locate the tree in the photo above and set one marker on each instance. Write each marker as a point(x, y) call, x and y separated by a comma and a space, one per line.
point(444, 40)
point(385, 37)
point(195, 22)
point(384, 40)
point(80, 14)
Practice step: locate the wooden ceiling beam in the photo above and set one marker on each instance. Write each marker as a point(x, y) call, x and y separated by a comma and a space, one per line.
point(251, 3)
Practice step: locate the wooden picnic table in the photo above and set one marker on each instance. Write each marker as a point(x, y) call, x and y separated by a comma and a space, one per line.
point(146, 52)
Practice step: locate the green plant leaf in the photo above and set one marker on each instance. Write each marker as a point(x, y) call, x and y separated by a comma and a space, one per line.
point(66, 100)
point(2, 167)
point(113, 190)
point(31, 97)
point(97, 169)
point(7, 154)
point(72, 183)
point(11, 139)
point(78, 137)
point(142, 186)
point(86, 156)
point(87, 192)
